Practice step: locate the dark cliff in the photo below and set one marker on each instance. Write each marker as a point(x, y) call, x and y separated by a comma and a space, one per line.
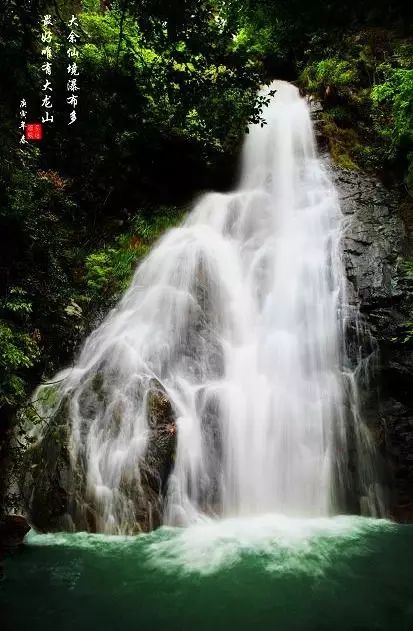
point(375, 248)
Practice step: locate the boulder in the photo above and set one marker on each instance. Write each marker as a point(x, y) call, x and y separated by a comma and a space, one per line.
point(46, 481)
point(54, 489)
point(13, 529)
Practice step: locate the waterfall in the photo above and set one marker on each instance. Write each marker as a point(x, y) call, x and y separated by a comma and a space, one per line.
point(237, 317)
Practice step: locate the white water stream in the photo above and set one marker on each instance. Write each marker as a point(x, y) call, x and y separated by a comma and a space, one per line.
point(238, 314)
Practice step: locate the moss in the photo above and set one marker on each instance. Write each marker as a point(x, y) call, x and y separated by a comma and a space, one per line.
point(344, 143)
point(48, 396)
point(341, 158)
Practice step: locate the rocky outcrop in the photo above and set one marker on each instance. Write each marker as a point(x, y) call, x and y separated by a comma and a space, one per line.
point(46, 482)
point(148, 490)
point(54, 491)
point(13, 529)
point(159, 458)
point(376, 246)
point(375, 241)
point(375, 249)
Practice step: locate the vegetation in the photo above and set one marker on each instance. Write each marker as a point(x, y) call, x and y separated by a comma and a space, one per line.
point(367, 92)
point(78, 211)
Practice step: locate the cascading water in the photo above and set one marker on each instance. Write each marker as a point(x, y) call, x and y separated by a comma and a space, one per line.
point(238, 316)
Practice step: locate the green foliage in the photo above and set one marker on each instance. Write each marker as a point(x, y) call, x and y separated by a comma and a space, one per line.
point(332, 73)
point(162, 87)
point(19, 349)
point(368, 99)
point(149, 227)
point(109, 270)
point(393, 115)
point(17, 302)
point(396, 95)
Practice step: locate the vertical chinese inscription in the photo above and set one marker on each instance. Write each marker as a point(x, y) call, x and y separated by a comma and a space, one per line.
point(23, 113)
point(72, 69)
point(47, 54)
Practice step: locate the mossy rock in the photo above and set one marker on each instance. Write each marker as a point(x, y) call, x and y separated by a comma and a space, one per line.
point(344, 143)
point(45, 481)
point(50, 488)
point(54, 490)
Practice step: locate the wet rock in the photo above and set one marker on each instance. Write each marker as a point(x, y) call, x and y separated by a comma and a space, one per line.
point(54, 488)
point(46, 482)
point(374, 242)
point(13, 529)
point(147, 489)
point(316, 110)
point(375, 247)
point(159, 458)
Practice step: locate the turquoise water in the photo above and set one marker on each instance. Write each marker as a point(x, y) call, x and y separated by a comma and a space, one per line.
point(268, 572)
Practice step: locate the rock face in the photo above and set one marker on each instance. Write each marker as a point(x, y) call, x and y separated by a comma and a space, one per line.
point(374, 242)
point(13, 529)
point(54, 492)
point(375, 247)
point(45, 483)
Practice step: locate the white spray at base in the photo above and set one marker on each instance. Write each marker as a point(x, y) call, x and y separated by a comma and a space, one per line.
point(239, 315)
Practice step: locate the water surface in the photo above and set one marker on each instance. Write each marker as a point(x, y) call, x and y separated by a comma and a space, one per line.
point(269, 572)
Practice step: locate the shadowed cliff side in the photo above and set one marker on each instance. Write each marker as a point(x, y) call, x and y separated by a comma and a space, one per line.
point(375, 249)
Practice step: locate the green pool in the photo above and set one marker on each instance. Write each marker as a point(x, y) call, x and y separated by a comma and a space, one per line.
point(267, 572)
